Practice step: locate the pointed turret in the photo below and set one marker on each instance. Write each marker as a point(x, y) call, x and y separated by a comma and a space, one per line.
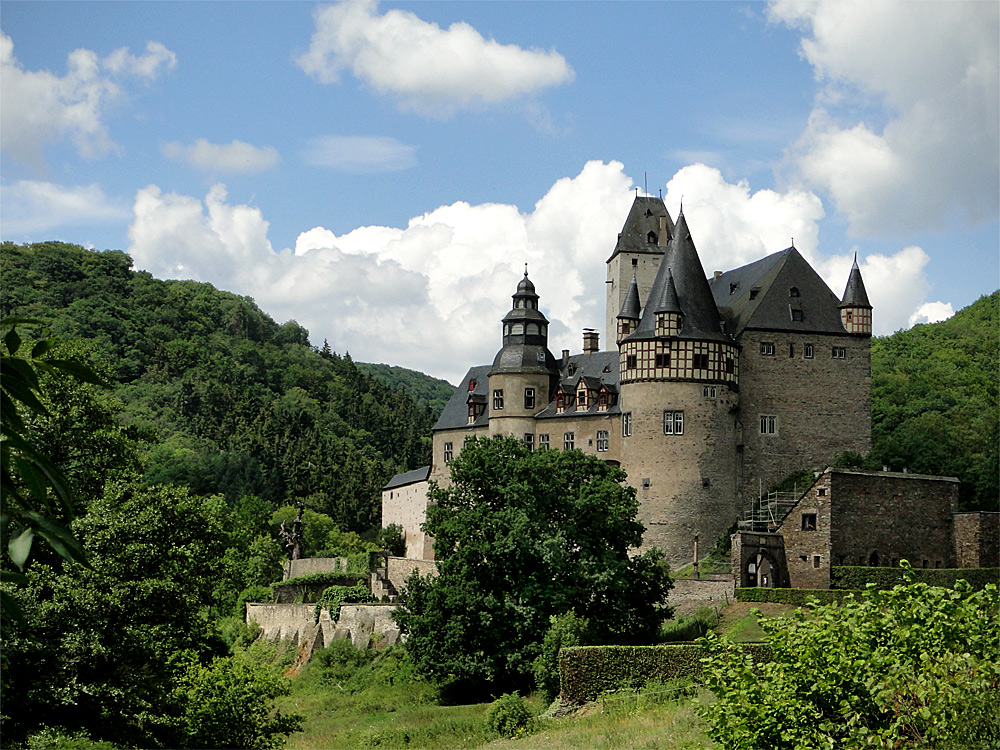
point(628, 318)
point(669, 316)
point(855, 310)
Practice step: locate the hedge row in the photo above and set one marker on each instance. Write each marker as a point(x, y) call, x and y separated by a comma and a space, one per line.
point(308, 588)
point(856, 577)
point(797, 597)
point(587, 671)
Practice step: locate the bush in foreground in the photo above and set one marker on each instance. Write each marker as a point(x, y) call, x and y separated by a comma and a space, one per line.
point(916, 666)
point(509, 716)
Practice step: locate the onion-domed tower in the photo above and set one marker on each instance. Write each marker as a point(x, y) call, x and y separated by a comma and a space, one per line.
point(680, 384)
point(524, 371)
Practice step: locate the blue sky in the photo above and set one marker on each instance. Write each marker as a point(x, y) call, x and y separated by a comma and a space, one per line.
point(381, 172)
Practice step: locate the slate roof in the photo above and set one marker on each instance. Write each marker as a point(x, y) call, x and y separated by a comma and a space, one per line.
point(631, 310)
point(596, 368)
point(408, 477)
point(759, 295)
point(855, 294)
point(456, 411)
point(643, 218)
point(691, 292)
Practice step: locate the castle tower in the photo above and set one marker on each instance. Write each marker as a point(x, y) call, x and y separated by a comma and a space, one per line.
point(628, 318)
point(679, 384)
point(524, 371)
point(637, 255)
point(855, 311)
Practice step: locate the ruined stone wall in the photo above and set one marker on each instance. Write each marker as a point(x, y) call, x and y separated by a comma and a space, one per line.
point(686, 484)
point(977, 540)
point(807, 530)
point(363, 624)
point(822, 404)
point(398, 569)
point(407, 506)
point(311, 565)
point(880, 518)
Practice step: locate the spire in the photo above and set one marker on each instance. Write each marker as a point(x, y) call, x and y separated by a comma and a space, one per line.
point(855, 294)
point(630, 308)
point(525, 334)
point(680, 283)
point(668, 302)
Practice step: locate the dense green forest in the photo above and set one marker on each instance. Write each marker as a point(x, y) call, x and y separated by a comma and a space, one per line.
point(935, 405)
point(429, 392)
point(228, 401)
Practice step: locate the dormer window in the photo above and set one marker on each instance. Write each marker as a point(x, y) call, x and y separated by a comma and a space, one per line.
point(472, 385)
point(602, 400)
point(733, 287)
point(560, 402)
point(754, 293)
point(793, 291)
point(581, 399)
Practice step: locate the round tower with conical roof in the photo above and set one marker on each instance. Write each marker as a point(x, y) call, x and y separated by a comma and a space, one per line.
point(680, 390)
point(524, 372)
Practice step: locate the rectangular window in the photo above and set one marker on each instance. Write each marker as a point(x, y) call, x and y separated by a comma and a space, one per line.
point(791, 350)
point(839, 352)
point(821, 492)
point(709, 391)
point(815, 561)
point(730, 365)
point(568, 438)
point(808, 351)
point(809, 522)
point(529, 440)
point(673, 423)
point(700, 362)
point(581, 399)
point(448, 453)
point(767, 348)
point(768, 424)
point(602, 441)
point(796, 315)
point(498, 399)
point(543, 440)
point(529, 398)
point(630, 361)
point(662, 359)
point(627, 424)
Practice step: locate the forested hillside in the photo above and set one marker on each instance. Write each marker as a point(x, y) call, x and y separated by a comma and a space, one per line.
point(229, 401)
point(432, 393)
point(935, 405)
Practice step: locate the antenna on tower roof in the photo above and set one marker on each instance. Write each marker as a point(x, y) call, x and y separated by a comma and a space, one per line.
point(645, 184)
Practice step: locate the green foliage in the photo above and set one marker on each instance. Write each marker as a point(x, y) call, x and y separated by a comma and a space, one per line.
point(242, 406)
point(509, 717)
point(321, 535)
point(857, 577)
point(935, 404)
point(521, 536)
point(917, 666)
point(390, 538)
point(334, 597)
point(252, 594)
point(796, 597)
point(566, 630)
point(54, 738)
point(689, 628)
point(588, 671)
point(229, 704)
point(428, 392)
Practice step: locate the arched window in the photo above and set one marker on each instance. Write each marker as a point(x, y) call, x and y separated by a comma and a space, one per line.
point(651, 238)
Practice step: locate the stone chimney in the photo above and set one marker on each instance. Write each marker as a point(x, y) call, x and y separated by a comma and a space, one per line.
point(664, 234)
point(590, 341)
point(717, 275)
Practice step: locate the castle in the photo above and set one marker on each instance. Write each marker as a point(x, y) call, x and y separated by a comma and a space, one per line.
point(716, 389)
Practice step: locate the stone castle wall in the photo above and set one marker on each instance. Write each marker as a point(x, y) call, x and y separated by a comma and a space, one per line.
point(822, 404)
point(407, 506)
point(398, 569)
point(883, 517)
point(977, 540)
point(808, 544)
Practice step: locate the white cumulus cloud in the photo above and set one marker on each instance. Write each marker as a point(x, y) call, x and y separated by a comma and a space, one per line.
point(431, 70)
point(932, 312)
point(431, 295)
point(234, 158)
point(33, 207)
point(360, 154)
point(39, 106)
point(907, 124)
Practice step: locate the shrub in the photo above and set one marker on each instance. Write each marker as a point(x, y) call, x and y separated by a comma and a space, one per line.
point(509, 716)
point(251, 594)
point(858, 577)
point(566, 630)
point(57, 738)
point(796, 597)
point(391, 539)
point(334, 597)
point(917, 666)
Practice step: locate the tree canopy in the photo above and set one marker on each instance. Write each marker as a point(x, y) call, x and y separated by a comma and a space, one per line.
point(520, 537)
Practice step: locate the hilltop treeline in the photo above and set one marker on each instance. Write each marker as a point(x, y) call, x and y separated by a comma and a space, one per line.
point(935, 405)
point(229, 401)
